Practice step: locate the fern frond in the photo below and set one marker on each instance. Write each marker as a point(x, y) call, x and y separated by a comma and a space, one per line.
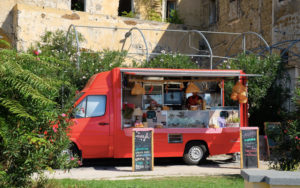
point(25, 90)
point(14, 107)
point(30, 78)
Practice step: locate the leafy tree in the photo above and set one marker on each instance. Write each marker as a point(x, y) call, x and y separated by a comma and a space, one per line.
point(265, 96)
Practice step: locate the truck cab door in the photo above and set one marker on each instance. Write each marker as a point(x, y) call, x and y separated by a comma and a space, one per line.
point(91, 124)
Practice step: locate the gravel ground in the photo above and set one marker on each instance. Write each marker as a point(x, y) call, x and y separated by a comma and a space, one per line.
point(112, 169)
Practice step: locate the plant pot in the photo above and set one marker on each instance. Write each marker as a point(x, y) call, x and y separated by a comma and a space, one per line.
point(232, 124)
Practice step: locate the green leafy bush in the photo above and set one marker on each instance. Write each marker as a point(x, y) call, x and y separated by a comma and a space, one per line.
point(31, 137)
point(174, 17)
point(153, 15)
point(286, 154)
point(4, 44)
point(90, 63)
point(128, 14)
point(55, 44)
point(257, 86)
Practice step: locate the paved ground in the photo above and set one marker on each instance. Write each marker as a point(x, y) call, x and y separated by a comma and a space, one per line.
point(167, 167)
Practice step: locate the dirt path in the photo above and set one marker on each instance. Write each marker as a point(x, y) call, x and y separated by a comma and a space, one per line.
point(121, 169)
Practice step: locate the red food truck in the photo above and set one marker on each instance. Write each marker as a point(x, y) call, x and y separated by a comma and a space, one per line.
point(114, 102)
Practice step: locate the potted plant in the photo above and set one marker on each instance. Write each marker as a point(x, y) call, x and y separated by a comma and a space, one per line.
point(233, 122)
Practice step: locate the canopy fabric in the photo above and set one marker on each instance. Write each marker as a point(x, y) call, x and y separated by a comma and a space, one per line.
point(189, 73)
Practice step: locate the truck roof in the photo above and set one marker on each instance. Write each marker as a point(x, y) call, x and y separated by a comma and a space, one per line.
point(97, 81)
point(184, 72)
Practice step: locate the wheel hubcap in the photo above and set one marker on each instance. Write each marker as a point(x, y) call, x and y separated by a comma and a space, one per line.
point(195, 153)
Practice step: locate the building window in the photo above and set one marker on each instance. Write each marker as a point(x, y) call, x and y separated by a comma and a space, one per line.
point(284, 56)
point(171, 6)
point(124, 6)
point(234, 9)
point(212, 12)
point(78, 5)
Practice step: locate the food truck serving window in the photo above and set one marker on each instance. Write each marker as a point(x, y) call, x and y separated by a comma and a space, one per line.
point(91, 106)
point(178, 99)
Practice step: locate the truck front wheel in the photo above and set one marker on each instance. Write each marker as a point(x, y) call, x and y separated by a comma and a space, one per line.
point(72, 152)
point(194, 153)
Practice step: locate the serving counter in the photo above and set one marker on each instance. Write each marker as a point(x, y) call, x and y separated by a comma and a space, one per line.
point(191, 119)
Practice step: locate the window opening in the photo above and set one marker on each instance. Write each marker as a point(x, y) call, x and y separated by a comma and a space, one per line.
point(285, 56)
point(91, 106)
point(96, 106)
point(171, 6)
point(234, 9)
point(212, 12)
point(78, 5)
point(124, 5)
point(153, 98)
point(80, 109)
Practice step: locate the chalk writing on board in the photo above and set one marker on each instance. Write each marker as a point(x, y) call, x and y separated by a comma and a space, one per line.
point(142, 154)
point(249, 148)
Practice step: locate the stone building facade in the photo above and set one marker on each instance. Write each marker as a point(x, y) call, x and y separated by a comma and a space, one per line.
point(23, 21)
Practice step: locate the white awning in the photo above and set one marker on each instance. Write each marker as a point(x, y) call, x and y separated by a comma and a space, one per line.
point(186, 73)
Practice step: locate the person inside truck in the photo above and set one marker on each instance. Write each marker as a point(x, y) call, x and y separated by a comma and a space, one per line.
point(194, 100)
point(153, 105)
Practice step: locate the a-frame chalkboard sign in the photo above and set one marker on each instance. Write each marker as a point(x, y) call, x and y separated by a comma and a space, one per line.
point(142, 149)
point(249, 138)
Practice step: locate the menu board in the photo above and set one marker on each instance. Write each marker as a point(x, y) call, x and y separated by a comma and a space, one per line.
point(272, 131)
point(249, 147)
point(142, 149)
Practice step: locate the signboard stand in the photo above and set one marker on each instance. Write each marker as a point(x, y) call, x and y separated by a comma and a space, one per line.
point(142, 149)
point(249, 147)
point(274, 128)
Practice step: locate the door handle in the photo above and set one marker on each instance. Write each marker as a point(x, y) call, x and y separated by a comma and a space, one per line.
point(103, 123)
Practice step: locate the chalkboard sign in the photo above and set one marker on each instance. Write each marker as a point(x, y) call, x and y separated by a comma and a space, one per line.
point(142, 149)
point(272, 131)
point(249, 147)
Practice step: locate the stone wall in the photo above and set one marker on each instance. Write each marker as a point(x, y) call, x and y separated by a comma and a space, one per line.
point(287, 22)
point(242, 16)
point(106, 7)
point(190, 12)
point(286, 26)
point(31, 22)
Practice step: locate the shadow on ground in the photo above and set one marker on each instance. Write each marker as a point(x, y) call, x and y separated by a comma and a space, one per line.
point(157, 162)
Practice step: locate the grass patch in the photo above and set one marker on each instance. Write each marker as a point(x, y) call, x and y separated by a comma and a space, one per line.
point(232, 181)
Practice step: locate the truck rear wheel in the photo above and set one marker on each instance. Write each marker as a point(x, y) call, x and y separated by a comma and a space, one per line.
point(194, 153)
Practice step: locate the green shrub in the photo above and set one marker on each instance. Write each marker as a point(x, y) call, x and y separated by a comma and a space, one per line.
point(4, 44)
point(174, 17)
point(128, 14)
point(153, 15)
point(77, 72)
point(257, 86)
point(31, 137)
point(286, 153)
